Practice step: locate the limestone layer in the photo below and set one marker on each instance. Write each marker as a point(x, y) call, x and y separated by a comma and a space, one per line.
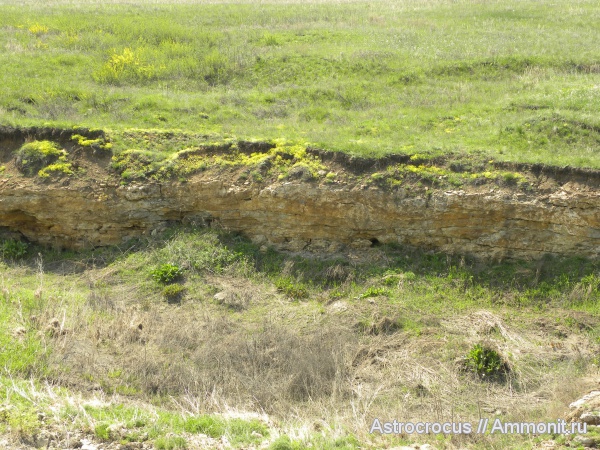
point(309, 216)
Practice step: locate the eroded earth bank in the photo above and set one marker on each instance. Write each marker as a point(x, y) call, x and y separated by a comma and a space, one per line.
point(294, 197)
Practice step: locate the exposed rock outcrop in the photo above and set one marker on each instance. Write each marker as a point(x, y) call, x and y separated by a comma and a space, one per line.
point(299, 215)
point(490, 221)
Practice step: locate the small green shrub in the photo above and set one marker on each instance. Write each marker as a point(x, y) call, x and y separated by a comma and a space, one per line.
point(136, 164)
point(246, 431)
point(13, 249)
point(94, 143)
point(486, 362)
point(167, 273)
point(316, 441)
point(173, 292)
point(36, 155)
point(391, 280)
point(218, 68)
point(591, 283)
point(59, 168)
point(237, 430)
point(24, 422)
point(38, 29)
point(257, 176)
point(373, 292)
point(101, 431)
point(292, 288)
point(409, 276)
point(512, 177)
point(270, 39)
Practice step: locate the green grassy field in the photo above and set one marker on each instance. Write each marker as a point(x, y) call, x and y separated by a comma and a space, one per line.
point(512, 80)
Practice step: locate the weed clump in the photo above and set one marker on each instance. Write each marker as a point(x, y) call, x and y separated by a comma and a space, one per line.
point(291, 288)
point(170, 443)
point(36, 156)
point(135, 164)
point(167, 273)
point(285, 443)
point(13, 249)
point(93, 143)
point(486, 363)
point(374, 292)
point(58, 168)
point(124, 67)
point(102, 432)
point(37, 29)
point(173, 292)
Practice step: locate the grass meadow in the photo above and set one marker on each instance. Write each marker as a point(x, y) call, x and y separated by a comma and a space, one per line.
point(511, 80)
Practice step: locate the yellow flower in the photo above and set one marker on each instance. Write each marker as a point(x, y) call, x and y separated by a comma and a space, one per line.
point(38, 29)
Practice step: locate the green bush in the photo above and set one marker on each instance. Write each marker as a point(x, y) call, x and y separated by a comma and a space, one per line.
point(137, 164)
point(486, 362)
point(391, 280)
point(292, 288)
point(59, 168)
point(167, 273)
point(374, 292)
point(101, 431)
point(210, 425)
point(36, 155)
point(13, 249)
point(237, 430)
point(409, 276)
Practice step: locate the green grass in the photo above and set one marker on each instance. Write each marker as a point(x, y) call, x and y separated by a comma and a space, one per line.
point(513, 80)
point(21, 350)
point(345, 443)
point(160, 426)
point(17, 409)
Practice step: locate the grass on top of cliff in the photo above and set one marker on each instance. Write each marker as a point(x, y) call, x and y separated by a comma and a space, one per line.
point(515, 80)
point(198, 336)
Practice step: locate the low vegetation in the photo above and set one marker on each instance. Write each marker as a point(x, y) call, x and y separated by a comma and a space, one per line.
point(254, 346)
point(167, 273)
point(41, 157)
point(12, 249)
point(486, 362)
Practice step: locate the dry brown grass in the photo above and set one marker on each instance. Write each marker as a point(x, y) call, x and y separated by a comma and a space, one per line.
point(186, 350)
point(213, 361)
point(305, 364)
